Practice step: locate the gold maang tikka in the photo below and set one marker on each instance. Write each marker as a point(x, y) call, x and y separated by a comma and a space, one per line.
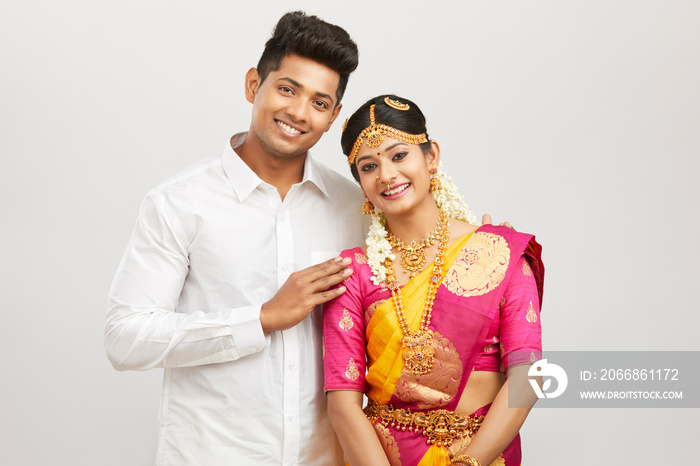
point(374, 133)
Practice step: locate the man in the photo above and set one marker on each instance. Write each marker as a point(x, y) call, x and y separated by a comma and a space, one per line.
point(206, 288)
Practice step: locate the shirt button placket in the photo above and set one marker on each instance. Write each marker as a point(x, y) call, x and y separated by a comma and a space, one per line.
point(285, 265)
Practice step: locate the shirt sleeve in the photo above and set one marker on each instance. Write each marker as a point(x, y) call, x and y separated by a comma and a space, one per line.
point(142, 329)
point(520, 329)
point(344, 360)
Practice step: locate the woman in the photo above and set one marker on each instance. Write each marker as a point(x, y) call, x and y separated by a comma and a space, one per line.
point(437, 315)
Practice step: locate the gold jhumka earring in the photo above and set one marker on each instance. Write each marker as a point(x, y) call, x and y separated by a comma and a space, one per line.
point(435, 183)
point(367, 207)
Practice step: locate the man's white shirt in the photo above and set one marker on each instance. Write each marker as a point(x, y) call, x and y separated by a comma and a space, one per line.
point(210, 246)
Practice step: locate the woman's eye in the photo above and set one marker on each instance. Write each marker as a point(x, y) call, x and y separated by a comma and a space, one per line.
point(367, 167)
point(399, 155)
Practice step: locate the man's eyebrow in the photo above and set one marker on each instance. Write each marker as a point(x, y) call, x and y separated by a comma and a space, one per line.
point(296, 83)
point(301, 86)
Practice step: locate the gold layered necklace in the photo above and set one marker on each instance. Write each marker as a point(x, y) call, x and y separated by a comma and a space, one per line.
point(413, 257)
point(418, 352)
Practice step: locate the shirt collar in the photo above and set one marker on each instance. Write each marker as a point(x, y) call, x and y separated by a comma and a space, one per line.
point(244, 180)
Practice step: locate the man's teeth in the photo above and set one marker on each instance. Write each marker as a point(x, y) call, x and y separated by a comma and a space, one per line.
point(396, 190)
point(288, 128)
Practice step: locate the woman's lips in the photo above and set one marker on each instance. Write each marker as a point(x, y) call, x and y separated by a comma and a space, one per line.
point(396, 191)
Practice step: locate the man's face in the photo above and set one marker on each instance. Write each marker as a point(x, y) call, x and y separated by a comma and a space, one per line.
point(293, 107)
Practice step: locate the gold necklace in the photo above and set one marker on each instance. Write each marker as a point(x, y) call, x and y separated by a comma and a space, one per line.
point(413, 256)
point(418, 352)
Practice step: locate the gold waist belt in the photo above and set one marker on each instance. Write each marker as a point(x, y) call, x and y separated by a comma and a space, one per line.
point(442, 427)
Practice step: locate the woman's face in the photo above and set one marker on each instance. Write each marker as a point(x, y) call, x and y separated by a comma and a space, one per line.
point(396, 176)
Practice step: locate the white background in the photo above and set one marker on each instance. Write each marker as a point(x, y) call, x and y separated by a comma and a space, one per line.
point(575, 120)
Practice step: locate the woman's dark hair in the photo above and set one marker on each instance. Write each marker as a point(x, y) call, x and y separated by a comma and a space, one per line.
point(308, 36)
point(411, 121)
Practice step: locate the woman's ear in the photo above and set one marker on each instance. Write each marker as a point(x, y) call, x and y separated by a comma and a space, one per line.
point(433, 155)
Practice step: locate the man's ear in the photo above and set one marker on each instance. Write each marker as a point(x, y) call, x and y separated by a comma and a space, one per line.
point(336, 112)
point(252, 83)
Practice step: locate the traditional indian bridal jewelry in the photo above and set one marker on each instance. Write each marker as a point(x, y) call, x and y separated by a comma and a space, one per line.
point(418, 352)
point(465, 459)
point(413, 257)
point(435, 183)
point(372, 135)
point(367, 207)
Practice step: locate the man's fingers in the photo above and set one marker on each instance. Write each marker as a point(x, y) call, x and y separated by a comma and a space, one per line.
point(327, 295)
point(327, 281)
point(486, 219)
point(325, 269)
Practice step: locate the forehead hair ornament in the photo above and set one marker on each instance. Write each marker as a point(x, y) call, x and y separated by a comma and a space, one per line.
point(373, 135)
point(396, 104)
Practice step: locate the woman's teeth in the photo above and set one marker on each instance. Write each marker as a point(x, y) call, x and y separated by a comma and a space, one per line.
point(395, 190)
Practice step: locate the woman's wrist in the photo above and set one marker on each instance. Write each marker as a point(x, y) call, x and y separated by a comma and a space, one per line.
point(465, 460)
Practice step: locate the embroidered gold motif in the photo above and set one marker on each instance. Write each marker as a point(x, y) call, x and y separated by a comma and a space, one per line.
point(531, 314)
point(480, 266)
point(351, 371)
point(438, 387)
point(360, 258)
point(533, 358)
point(391, 448)
point(501, 304)
point(490, 348)
point(526, 269)
point(346, 321)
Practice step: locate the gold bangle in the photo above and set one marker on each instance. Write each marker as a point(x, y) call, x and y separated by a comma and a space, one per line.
point(466, 459)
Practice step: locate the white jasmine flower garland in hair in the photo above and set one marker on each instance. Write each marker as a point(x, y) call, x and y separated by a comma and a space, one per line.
point(450, 200)
point(447, 198)
point(378, 248)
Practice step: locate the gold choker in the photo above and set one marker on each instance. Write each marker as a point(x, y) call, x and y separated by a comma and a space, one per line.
point(413, 256)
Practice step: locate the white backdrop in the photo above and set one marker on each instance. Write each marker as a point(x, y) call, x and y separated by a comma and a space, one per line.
point(575, 120)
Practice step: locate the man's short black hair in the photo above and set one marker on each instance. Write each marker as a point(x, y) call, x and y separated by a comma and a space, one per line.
point(310, 37)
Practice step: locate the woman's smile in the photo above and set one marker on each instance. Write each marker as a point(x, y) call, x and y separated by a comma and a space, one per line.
point(396, 191)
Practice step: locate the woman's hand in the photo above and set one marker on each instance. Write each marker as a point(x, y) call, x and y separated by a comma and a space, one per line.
point(355, 432)
point(486, 220)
